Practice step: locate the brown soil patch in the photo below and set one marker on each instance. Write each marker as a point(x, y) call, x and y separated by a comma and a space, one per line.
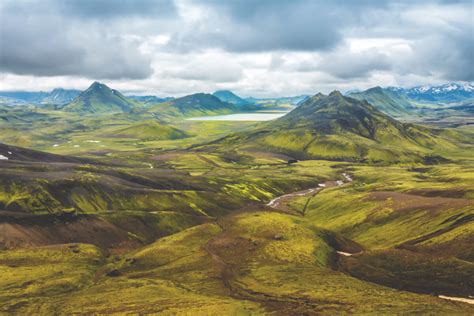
point(408, 202)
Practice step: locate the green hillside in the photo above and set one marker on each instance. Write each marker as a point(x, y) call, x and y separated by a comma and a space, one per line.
point(149, 130)
point(339, 128)
point(99, 98)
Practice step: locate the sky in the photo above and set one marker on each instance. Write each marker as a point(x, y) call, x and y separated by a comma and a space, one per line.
point(258, 48)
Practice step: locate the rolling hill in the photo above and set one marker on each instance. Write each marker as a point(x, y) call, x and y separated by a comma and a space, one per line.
point(149, 130)
point(99, 98)
point(336, 127)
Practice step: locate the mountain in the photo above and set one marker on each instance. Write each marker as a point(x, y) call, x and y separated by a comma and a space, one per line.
point(230, 97)
point(199, 104)
point(99, 98)
point(57, 96)
point(60, 96)
point(336, 127)
point(390, 102)
point(148, 100)
point(446, 93)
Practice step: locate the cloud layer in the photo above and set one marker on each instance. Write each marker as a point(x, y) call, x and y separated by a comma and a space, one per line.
point(264, 47)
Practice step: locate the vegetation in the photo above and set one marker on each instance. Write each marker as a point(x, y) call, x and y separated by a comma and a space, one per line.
point(143, 211)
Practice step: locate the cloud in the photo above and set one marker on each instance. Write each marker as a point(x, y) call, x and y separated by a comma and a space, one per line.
point(45, 43)
point(91, 9)
point(263, 47)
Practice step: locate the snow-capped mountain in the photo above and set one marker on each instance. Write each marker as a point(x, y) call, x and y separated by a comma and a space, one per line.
point(446, 93)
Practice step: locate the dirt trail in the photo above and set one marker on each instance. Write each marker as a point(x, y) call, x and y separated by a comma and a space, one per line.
point(281, 202)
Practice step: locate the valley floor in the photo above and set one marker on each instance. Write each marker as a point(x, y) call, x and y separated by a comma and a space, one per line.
point(131, 225)
point(408, 245)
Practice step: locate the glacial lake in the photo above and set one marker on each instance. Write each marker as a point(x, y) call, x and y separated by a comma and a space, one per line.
point(255, 116)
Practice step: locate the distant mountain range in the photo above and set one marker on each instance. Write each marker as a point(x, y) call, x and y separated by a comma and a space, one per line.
point(98, 98)
point(400, 102)
point(57, 96)
point(446, 93)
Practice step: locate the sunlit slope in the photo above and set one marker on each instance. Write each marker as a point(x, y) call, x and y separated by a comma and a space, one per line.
point(148, 130)
point(340, 128)
point(415, 224)
point(246, 264)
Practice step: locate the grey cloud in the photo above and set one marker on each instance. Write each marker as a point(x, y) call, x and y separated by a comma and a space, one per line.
point(47, 44)
point(116, 8)
point(346, 65)
point(100, 39)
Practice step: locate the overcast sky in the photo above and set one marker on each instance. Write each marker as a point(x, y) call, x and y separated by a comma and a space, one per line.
point(253, 47)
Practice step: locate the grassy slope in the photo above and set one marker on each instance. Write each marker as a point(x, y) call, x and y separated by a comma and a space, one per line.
point(236, 266)
point(415, 223)
point(339, 128)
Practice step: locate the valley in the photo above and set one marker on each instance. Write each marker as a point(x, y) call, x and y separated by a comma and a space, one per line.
point(112, 205)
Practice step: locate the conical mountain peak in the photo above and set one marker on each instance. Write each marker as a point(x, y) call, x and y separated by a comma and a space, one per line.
point(100, 98)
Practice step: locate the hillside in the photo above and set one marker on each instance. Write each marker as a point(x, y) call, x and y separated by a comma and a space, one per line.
point(99, 98)
point(338, 128)
point(387, 101)
point(149, 130)
point(199, 104)
point(16, 154)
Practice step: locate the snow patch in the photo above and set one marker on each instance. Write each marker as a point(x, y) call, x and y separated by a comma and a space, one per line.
point(2, 157)
point(458, 299)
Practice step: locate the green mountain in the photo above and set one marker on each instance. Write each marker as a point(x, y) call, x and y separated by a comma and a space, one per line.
point(336, 127)
point(387, 101)
point(230, 97)
point(149, 130)
point(199, 104)
point(99, 98)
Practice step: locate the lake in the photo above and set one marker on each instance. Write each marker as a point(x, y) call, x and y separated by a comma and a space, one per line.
point(255, 116)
